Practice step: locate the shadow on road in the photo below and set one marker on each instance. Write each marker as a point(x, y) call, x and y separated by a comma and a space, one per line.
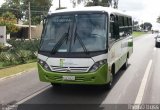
point(119, 75)
point(71, 97)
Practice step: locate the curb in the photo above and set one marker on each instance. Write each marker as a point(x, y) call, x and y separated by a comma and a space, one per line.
point(16, 74)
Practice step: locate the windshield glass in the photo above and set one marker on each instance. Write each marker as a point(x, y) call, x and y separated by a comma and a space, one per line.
point(55, 28)
point(85, 32)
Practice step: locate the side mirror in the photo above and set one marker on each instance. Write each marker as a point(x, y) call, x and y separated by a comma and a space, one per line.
point(44, 20)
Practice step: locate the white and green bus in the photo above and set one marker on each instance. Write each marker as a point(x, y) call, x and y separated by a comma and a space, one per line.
point(84, 46)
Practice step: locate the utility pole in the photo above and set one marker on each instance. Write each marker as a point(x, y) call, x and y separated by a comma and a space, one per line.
point(59, 3)
point(29, 12)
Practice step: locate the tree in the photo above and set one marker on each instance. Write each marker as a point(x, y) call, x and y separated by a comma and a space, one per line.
point(142, 26)
point(8, 16)
point(8, 19)
point(38, 9)
point(158, 19)
point(106, 3)
point(12, 6)
point(136, 26)
point(20, 9)
point(76, 2)
point(146, 26)
point(99, 3)
point(92, 2)
point(135, 23)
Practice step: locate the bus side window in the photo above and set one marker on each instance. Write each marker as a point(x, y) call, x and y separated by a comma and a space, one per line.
point(130, 25)
point(120, 21)
point(114, 29)
point(125, 26)
point(111, 32)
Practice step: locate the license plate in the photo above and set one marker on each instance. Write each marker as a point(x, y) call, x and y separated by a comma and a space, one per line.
point(69, 78)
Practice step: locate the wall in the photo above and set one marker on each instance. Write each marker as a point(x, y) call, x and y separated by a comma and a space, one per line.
point(3, 34)
point(36, 32)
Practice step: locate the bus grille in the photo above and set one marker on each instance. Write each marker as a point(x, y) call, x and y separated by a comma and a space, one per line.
point(69, 69)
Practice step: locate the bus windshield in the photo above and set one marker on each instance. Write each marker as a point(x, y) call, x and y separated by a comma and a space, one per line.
point(75, 33)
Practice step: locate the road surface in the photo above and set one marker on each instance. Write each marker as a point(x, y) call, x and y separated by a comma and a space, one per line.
point(139, 84)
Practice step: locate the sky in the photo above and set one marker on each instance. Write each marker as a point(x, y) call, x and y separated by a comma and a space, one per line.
point(141, 10)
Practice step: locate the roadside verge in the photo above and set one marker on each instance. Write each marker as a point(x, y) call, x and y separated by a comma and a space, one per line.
point(16, 70)
point(138, 34)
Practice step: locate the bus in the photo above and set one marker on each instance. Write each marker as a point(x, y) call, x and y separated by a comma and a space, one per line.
point(86, 46)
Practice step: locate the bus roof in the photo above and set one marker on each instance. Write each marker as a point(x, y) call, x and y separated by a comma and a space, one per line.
point(92, 8)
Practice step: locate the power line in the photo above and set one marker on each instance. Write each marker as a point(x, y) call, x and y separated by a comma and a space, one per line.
point(11, 9)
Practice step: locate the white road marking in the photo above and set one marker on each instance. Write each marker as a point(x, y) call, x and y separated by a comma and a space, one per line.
point(33, 95)
point(143, 84)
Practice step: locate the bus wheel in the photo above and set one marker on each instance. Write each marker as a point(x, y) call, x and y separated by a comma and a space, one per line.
point(56, 85)
point(125, 65)
point(110, 84)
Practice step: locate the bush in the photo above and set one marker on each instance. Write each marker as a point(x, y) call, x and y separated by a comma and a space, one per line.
point(1, 47)
point(21, 52)
point(23, 56)
point(31, 45)
point(7, 58)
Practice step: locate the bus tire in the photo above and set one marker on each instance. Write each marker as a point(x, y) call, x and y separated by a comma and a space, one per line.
point(110, 84)
point(125, 65)
point(113, 69)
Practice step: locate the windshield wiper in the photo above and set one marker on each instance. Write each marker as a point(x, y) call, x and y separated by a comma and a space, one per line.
point(80, 41)
point(60, 42)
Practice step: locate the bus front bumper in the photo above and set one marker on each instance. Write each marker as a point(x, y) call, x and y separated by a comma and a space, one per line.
point(98, 77)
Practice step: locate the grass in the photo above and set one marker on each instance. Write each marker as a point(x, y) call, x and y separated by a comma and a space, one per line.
point(138, 34)
point(1, 64)
point(16, 69)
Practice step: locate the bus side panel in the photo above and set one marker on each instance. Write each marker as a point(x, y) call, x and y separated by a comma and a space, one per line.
point(130, 46)
point(114, 55)
point(119, 52)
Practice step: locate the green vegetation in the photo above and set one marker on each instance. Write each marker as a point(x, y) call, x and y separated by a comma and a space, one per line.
point(21, 52)
point(138, 34)
point(20, 9)
point(106, 3)
point(16, 69)
point(8, 19)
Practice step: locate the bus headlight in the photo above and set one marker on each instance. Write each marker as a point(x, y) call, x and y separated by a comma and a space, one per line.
point(97, 65)
point(44, 65)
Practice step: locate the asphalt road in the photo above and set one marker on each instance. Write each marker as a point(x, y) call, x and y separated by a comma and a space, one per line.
point(139, 84)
